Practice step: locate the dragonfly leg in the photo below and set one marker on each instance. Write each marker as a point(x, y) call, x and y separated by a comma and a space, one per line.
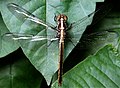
point(54, 28)
point(69, 27)
point(71, 41)
point(55, 18)
point(51, 41)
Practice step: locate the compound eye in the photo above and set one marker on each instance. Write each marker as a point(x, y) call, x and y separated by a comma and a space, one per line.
point(65, 18)
point(58, 18)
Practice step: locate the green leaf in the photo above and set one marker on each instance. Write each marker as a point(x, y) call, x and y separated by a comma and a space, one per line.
point(17, 72)
point(5, 46)
point(45, 59)
point(101, 70)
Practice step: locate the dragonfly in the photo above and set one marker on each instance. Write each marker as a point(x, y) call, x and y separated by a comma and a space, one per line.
point(61, 31)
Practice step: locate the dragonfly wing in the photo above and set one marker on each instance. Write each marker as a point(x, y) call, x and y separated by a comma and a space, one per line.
point(98, 38)
point(103, 10)
point(24, 39)
point(23, 15)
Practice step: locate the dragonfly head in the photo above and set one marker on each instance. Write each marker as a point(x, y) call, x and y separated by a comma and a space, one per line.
point(61, 17)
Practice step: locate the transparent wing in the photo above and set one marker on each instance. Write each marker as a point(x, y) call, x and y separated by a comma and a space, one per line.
point(92, 39)
point(23, 15)
point(102, 11)
point(87, 42)
point(98, 39)
point(24, 39)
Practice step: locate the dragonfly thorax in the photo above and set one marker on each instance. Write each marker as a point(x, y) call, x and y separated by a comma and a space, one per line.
point(61, 25)
point(61, 22)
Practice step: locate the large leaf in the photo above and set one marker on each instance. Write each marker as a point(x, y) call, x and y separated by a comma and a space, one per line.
point(5, 46)
point(101, 70)
point(44, 58)
point(17, 72)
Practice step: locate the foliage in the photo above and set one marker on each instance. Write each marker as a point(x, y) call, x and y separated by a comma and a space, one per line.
point(97, 70)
